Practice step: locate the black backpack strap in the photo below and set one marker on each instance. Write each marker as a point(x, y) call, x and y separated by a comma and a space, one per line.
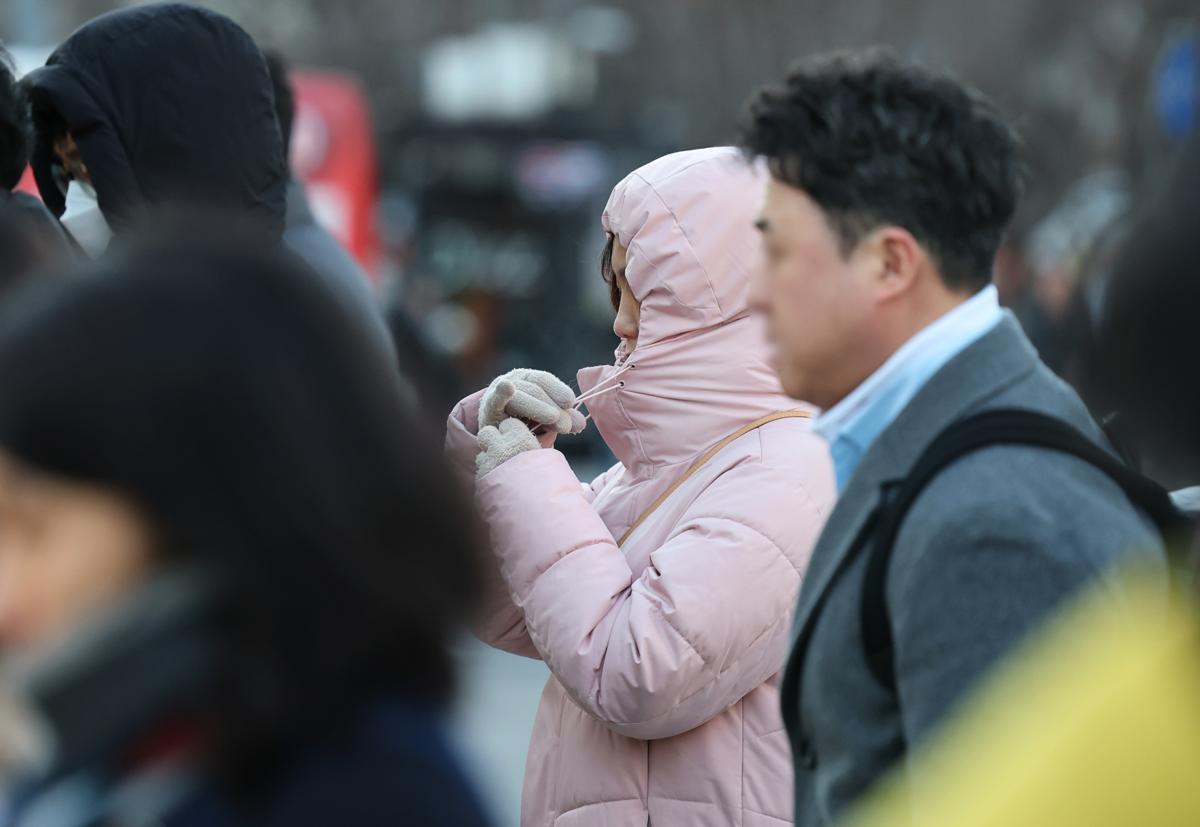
point(1003, 426)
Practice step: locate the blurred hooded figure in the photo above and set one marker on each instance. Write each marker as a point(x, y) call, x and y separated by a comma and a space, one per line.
point(151, 106)
point(230, 562)
point(170, 104)
point(660, 594)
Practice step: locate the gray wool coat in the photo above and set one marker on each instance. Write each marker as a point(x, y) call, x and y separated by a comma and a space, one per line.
point(994, 545)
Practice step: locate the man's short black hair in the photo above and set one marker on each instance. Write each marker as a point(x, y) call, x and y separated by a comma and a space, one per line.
point(285, 99)
point(15, 137)
point(875, 140)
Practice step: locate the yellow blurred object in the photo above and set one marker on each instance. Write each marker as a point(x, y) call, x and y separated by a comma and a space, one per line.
point(1095, 724)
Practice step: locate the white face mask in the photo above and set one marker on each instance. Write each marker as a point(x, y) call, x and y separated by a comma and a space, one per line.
point(84, 221)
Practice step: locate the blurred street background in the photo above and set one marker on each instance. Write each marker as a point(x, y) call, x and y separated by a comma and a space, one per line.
point(499, 698)
point(463, 151)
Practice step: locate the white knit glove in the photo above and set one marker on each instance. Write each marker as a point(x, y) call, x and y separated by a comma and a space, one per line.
point(533, 396)
point(497, 445)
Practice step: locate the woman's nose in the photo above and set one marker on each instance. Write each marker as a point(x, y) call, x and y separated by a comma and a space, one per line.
point(626, 323)
point(625, 327)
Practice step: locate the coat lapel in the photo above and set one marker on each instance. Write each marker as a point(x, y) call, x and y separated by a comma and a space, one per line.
point(987, 367)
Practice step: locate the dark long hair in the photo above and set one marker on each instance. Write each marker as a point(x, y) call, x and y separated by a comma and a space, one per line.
point(606, 272)
point(15, 139)
point(265, 437)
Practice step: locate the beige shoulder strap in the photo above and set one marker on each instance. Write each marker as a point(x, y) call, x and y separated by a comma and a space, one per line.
point(709, 454)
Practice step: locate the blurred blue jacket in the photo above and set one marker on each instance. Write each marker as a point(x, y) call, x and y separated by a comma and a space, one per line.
point(392, 766)
point(333, 265)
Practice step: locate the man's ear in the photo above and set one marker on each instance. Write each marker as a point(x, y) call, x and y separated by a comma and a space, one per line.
point(900, 260)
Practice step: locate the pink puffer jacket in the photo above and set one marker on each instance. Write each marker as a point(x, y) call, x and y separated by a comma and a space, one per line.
point(662, 708)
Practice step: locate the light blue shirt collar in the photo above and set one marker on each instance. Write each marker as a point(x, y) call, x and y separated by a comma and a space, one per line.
point(852, 425)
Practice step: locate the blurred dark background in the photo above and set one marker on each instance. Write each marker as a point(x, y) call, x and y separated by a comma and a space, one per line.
point(499, 126)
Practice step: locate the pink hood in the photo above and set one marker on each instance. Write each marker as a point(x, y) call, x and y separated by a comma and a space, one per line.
point(702, 359)
point(664, 651)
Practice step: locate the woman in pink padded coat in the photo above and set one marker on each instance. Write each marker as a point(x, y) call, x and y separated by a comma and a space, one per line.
point(659, 595)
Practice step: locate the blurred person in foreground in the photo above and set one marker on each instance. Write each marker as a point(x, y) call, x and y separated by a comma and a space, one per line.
point(659, 594)
point(1097, 721)
point(890, 190)
point(31, 235)
point(230, 566)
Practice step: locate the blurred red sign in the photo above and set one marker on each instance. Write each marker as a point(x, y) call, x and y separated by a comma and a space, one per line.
point(333, 154)
point(28, 184)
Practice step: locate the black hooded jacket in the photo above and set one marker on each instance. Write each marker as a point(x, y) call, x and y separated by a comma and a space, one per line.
point(170, 105)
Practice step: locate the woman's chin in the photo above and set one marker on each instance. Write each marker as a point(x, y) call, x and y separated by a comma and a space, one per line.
point(789, 382)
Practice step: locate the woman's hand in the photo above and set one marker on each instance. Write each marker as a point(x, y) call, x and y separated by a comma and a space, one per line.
point(497, 445)
point(533, 396)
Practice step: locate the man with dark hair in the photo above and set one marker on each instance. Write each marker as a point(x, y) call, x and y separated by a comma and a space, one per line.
point(890, 191)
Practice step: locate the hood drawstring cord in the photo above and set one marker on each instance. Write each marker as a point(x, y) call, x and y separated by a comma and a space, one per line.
point(600, 389)
point(597, 391)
